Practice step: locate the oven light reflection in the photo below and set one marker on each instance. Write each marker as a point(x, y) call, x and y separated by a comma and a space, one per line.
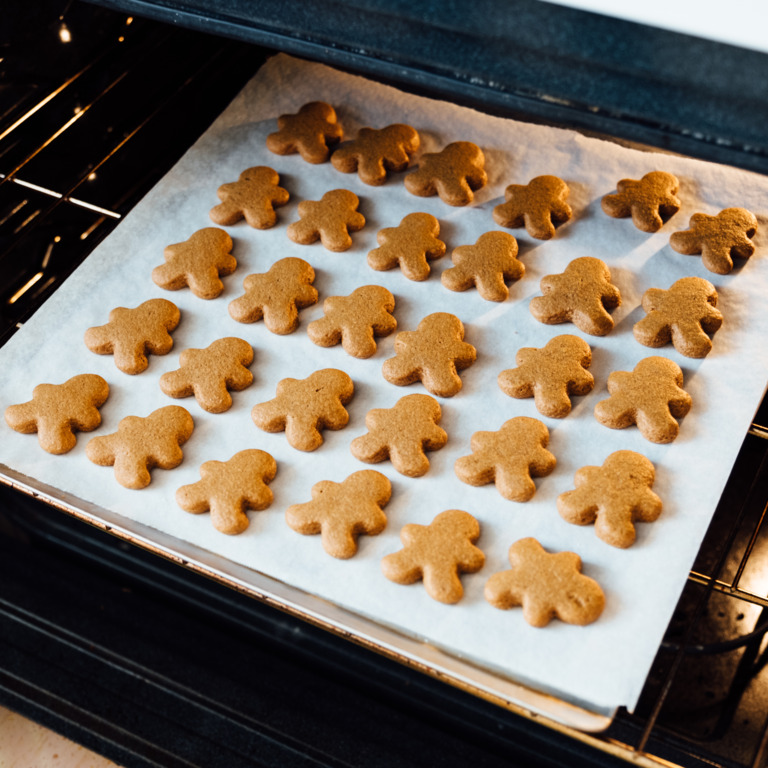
point(24, 288)
point(64, 34)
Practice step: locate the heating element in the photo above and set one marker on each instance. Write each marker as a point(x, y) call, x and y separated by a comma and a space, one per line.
point(154, 665)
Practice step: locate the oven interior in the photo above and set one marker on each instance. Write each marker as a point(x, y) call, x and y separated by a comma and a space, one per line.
point(155, 666)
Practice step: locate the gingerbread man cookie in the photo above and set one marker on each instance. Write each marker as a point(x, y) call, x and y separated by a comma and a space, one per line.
point(253, 197)
point(614, 497)
point(437, 553)
point(651, 397)
point(686, 314)
point(374, 152)
point(310, 132)
point(486, 265)
point(540, 206)
point(650, 202)
point(411, 246)
point(132, 334)
point(547, 585)
point(454, 174)
point(551, 375)
point(329, 220)
point(227, 489)
point(355, 320)
point(209, 374)
point(510, 458)
point(305, 406)
point(402, 434)
point(432, 354)
point(141, 444)
point(198, 263)
point(57, 411)
point(582, 295)
point(277, 296)
point(718, 238)
point(340, 512)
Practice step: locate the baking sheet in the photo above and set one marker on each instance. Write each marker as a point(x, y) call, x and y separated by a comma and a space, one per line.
point(603, 665)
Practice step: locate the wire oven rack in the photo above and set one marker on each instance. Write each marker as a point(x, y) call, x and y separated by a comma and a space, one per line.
point(94, 107)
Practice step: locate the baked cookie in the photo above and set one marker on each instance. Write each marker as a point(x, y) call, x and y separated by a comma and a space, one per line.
point(411, 246)
point(582, 295)
point(57, 411)
point(375, 152)
point(650, 202)
point(329, 220)
point(198, 263)
point(432, 354)
point(143, 443)
point(540, 206)
point(305, 406)
point(227, 489)
point(551, 375)
point(276, 296)
point(355, 320)
point(209, 374)
point(547, 585)
point(486, 265)
point(454, 173)
point(402, 434)
point(651, 397)
point(310, 132)
point(718, 238)
point(614, 497)
point(686, 314)
point(510, 458)
point(340, 512)
point(132, 334)
point(437, 553)
point(253, 197)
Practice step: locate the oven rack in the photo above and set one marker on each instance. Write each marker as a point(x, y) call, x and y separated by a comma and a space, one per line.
point(73, 160)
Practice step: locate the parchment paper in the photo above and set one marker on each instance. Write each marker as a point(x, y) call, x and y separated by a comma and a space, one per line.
point(603, 664)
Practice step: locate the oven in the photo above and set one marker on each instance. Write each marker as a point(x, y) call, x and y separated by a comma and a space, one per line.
point(150, 662)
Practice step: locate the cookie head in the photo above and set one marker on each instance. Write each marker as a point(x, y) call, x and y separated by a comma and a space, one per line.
point(57, 411)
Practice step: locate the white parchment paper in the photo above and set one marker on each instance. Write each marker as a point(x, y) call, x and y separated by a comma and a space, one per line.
point(603, 664)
